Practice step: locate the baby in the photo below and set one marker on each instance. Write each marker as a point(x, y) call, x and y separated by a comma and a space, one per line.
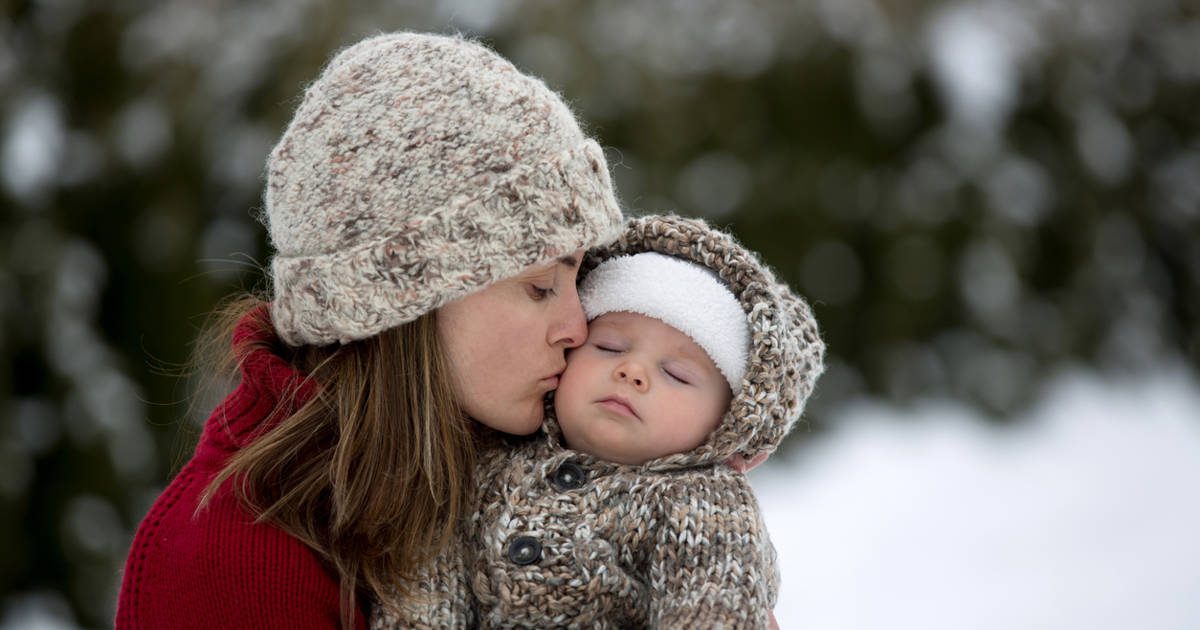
point(622, 512)
point(667, 346)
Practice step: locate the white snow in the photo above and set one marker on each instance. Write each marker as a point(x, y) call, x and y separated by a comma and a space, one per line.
point(1081, 514)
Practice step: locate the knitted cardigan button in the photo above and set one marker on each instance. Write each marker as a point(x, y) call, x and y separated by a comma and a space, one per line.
point(568, 476)
point(525, 550)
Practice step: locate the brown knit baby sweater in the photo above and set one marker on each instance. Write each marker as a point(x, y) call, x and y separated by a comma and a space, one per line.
point(562, 539)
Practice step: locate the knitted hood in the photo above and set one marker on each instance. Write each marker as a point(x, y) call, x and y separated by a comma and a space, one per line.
point(786, 353)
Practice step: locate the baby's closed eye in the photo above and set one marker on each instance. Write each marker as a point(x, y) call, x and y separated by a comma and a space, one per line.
point(679, 373)
point(606, 343)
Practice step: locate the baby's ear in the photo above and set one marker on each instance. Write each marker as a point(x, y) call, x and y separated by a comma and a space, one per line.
point(739, 462)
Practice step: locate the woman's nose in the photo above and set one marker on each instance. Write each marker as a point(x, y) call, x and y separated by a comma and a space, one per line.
point(569, 328)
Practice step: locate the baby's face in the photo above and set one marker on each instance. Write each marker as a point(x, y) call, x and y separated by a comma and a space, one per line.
point(638, 389)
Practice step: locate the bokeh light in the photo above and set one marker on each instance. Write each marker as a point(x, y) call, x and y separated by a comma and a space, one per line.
point(973, 194)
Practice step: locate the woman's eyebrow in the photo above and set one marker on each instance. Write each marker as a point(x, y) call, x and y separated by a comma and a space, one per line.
point(537, 273)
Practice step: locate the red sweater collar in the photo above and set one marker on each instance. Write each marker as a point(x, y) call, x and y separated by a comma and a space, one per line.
point(270, 388)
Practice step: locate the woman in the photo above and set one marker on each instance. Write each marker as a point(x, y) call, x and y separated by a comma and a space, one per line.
point(428, 206)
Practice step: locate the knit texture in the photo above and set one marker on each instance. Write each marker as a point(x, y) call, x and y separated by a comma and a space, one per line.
point(417, 169)
point(562, 539)
point(218, 568)
point(628, 549)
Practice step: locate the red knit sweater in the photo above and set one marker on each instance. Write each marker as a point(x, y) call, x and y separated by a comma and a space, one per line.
point(217, 568)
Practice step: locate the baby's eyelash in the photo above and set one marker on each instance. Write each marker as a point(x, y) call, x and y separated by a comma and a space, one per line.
point(677, 377)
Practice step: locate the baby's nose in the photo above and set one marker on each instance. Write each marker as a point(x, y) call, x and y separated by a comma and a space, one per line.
point(632, 375)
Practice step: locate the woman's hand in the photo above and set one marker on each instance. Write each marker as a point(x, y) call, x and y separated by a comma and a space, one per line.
point(739, 463)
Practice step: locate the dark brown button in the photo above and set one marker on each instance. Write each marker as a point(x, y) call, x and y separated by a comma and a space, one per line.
point(524, 550)
point(568, 476)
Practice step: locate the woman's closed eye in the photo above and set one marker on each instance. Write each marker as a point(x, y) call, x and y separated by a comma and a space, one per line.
point(539, 293)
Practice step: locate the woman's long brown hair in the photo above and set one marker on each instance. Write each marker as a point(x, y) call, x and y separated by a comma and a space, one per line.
point(373, 472)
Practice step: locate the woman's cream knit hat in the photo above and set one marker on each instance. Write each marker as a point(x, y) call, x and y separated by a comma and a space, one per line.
point(417, 169)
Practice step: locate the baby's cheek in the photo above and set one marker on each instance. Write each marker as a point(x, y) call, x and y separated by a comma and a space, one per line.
point(566, 396)
point(570, 412)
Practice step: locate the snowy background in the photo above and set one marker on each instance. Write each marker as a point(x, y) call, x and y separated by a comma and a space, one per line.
point(1083, 515)
point(993, 207)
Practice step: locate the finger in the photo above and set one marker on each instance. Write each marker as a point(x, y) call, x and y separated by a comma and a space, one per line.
point(753, 463)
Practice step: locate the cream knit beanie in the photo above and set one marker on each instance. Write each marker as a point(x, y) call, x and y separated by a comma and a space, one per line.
point(417, 169)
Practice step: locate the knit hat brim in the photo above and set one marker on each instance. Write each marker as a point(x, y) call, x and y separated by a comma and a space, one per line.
point(537, 213)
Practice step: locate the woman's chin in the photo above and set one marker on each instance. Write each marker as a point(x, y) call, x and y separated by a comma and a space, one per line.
point(531, 429)
point(530, 424)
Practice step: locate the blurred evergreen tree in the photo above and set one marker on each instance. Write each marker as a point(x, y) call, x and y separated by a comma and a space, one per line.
point(971, 194)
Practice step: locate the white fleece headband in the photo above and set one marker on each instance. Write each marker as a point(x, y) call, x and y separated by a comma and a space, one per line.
point(681, 294)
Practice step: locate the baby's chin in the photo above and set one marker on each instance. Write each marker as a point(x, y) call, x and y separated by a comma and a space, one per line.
point(594, 443)
point(589, 447)
point(614, 455)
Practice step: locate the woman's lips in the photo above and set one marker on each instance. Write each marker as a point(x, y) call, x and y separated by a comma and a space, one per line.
point(551, 382)
point(619, 406)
